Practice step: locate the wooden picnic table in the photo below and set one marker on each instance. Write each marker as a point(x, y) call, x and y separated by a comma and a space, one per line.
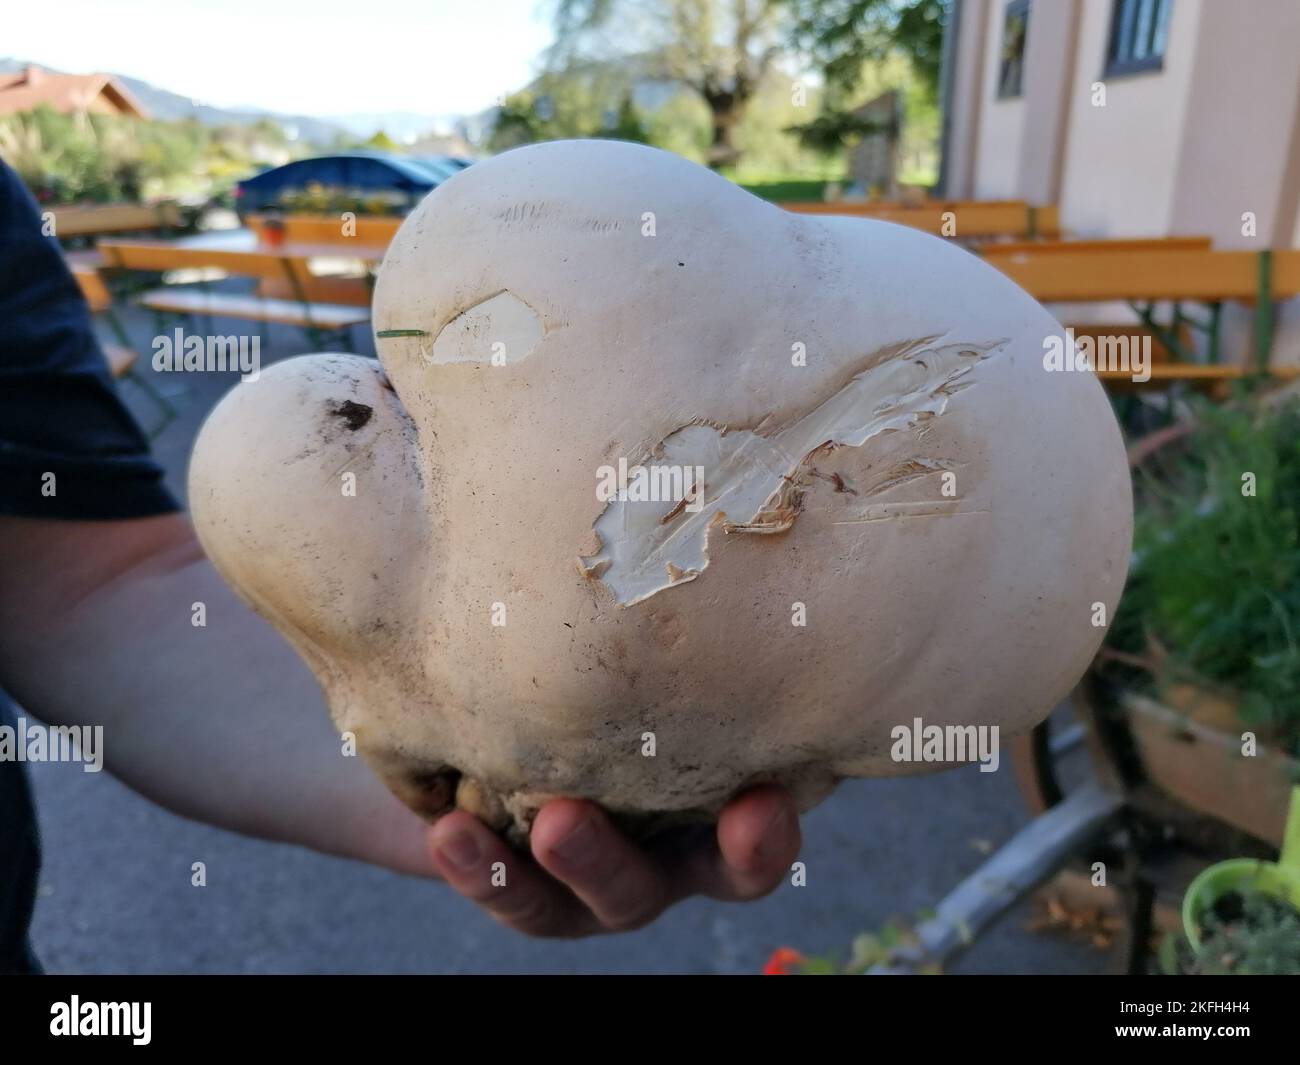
point(202, 249)
point(89, 220)
point(313, 271)
point(291, 288)
point(962, 220)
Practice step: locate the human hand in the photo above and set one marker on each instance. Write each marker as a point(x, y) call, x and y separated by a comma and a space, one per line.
point(252, 749)
point(584, 877)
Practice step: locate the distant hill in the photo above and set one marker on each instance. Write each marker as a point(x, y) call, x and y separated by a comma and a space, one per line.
point(172, 106)
point(169, 105)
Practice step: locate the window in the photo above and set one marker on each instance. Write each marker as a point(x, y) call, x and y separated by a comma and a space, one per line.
point(1138, 31)
point(1015, 25)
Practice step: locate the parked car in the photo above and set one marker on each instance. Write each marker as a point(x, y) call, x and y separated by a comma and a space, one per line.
point(397, 181)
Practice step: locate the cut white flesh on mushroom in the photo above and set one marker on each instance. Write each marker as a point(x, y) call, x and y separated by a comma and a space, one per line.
point(753, 479)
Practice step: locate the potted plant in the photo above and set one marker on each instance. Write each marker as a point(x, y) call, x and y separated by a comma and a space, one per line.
point(1242, 917)
point(1206, 645)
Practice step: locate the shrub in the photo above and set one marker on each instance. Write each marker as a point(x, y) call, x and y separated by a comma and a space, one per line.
point(1215, 580)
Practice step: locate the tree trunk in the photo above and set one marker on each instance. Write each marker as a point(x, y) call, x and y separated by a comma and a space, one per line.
point(725, 109)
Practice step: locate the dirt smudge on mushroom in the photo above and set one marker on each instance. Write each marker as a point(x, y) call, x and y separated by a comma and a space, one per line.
point(355, 415)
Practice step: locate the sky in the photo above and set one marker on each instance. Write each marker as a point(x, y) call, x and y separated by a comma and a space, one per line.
point(310, 57)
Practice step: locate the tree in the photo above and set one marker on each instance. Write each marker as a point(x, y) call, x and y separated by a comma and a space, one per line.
point(720, 49)
point(380, 141)
point(585, 99)
point(862, 47)
point(842, 36)
point(100, 158)
point(625, 124)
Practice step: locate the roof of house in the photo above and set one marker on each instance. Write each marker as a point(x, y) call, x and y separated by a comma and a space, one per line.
point(32, 87)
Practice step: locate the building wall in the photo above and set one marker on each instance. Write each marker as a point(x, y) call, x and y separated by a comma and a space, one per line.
point(1182, 150)
point(102, 105)
point(997, 151)
point(965, 98)
point(1049, 84)
point(1238, 138)
point(1121, 168)
point(1019, 143)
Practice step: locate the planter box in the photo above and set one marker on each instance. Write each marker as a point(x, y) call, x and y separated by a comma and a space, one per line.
point(376, 230)
point(1202, 766)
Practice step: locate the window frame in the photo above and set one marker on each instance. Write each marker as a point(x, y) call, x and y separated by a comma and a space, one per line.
point(1116, 67)
point(1013, 7)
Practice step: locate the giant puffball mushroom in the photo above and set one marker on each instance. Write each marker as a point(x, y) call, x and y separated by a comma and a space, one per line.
point(903, 514)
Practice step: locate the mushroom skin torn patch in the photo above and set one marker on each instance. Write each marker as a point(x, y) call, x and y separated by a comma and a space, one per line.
point(748, 490)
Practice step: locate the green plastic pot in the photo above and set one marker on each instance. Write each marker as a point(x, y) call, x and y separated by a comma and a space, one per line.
point(1281, 879)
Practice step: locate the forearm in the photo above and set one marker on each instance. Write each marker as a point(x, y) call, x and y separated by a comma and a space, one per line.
point(220, 722)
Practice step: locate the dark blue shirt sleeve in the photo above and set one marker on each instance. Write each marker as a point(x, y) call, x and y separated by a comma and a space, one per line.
point(60, 412)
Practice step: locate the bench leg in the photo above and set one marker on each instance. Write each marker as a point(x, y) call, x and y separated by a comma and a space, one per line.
point(1138, 897)
point(1264, 312)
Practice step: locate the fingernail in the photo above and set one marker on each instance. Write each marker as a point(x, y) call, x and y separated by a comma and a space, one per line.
point(461, 850)
point(579, 847)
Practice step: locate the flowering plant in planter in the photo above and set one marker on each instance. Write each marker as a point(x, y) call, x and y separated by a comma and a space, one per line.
point(1213, 598)
point(1210, 626)
point(866, 952)
point(1246, 933)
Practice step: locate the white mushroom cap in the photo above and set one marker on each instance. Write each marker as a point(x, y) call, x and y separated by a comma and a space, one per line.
point(881, 452)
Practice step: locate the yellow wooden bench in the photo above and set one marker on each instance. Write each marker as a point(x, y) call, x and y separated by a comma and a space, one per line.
point(964, 220)
point(323, 316)
point(1168, 275)
point(93, 220)
point(1161, 352)
point(1100, 245)
point(1064, 276)
point(318, 320)
point(1166, 367)
point(1169, 364)
point(870, 208)
point(323, 234)
point(122, 357)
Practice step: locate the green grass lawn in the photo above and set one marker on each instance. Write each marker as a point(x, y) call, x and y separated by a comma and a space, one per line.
point(786, 191)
